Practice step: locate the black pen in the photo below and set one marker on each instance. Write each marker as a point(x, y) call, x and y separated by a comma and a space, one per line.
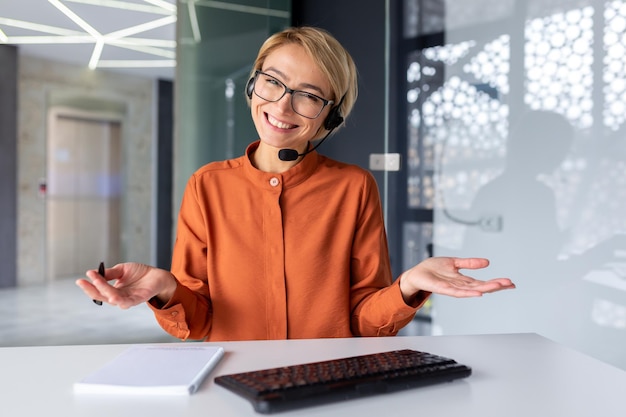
point(101, 272)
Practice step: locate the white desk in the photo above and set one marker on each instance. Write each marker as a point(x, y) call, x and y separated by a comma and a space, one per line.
point(513, 375)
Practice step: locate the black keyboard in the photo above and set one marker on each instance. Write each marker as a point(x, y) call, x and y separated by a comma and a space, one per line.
point(279, 389)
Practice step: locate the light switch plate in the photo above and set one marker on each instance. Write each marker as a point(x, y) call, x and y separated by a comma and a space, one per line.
point(385, 162)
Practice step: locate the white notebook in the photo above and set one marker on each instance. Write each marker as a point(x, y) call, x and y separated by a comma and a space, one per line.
point(154, 369)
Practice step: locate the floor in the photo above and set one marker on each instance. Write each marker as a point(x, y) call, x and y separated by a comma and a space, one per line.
point(61, 314)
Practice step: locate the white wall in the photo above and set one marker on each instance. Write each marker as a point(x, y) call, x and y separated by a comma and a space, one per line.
point(542, 194)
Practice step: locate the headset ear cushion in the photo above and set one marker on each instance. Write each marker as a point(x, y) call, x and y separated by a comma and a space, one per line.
point(334, 119)
point(250, 87)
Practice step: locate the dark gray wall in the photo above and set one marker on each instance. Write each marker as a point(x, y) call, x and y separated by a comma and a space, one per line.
point(8, 166)
point(364, 133)
point(364, 38)
point(164, 178)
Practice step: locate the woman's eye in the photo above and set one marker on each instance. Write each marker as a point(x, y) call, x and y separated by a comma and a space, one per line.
point(311, 97)
point(272, 81)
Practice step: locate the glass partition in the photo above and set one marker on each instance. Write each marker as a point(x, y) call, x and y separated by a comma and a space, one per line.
point(218, 42)
point(518, 124)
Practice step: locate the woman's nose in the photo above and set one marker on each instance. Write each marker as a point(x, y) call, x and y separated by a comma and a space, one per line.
point(285, 102)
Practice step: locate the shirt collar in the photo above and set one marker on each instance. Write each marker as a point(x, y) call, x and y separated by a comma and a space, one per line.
point(290, 178)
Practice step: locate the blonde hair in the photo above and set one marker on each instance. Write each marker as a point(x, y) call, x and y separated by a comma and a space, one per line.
point(331, 57)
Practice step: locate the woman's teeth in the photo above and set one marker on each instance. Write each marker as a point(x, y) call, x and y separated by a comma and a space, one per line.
point(278, 123)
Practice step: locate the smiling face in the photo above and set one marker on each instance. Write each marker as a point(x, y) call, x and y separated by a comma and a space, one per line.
point(277, 124)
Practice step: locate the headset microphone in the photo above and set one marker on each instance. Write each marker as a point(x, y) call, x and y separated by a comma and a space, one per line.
point(291, 154)
point(288, 155)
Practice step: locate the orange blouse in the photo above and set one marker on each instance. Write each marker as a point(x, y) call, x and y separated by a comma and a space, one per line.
point(301, 254)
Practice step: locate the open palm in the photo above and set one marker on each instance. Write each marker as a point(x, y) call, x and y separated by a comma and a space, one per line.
point(441, 275)
point(126, 284)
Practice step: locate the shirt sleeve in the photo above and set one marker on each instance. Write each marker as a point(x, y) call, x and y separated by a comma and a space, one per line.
point(188, 312)
point(378, 308)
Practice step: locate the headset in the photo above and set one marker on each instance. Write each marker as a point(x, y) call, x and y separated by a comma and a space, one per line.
point(332, 121)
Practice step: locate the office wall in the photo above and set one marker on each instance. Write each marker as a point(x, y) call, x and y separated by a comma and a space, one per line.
point(44, 84)
point(8, 165)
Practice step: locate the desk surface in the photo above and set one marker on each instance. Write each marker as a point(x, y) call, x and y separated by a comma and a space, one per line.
point(513, 375)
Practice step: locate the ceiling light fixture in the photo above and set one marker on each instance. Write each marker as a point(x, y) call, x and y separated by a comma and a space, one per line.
point(49, 40)
point(170, 63)
point(145, 49)
point(142, 28)
point(95, 55)
point(36, 27)
point(3, 37)
point(163, 4)
point(162, 7)
point(75, 18)
point(163, 50)
point(245, 9)
point(88, 34)
point(193, 18)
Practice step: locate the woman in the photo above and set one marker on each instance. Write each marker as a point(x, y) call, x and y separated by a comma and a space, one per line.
point(283, 242)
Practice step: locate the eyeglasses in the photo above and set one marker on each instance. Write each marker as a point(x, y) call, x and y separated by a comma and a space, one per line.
point(271, 89)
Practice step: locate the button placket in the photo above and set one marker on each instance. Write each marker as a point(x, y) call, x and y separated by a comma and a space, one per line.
point(274, 254)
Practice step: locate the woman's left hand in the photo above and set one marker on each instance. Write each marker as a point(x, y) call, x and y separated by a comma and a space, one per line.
point(440, 275)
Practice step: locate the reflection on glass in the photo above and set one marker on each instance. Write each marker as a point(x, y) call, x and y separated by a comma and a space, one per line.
point(558, 62)
point(217, 45)
point(472, 106)
point(614, 69)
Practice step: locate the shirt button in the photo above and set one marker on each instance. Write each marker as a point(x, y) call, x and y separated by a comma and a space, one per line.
point(174, 313)
point(274, 182)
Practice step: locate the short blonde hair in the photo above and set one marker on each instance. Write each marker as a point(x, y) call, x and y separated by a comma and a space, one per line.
point(332, 58)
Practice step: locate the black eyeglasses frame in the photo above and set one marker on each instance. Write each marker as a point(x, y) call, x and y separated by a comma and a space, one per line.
point(290, 91)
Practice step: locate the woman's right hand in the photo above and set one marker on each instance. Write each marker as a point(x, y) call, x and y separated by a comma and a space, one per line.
point(129, 284)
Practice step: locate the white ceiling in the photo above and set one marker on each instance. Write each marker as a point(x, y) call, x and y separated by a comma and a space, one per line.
point(131, 36)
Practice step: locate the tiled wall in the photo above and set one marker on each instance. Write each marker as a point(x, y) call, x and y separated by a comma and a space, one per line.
point(40, 82)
